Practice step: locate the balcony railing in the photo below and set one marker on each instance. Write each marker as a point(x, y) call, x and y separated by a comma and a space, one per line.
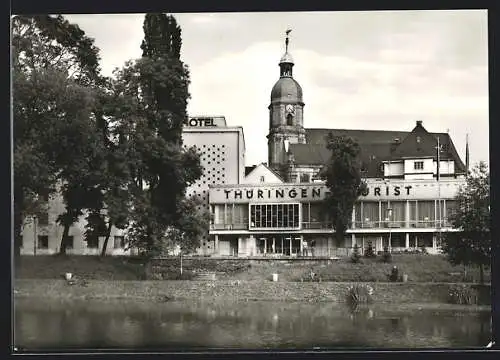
point(327, 225)
point(232, 226)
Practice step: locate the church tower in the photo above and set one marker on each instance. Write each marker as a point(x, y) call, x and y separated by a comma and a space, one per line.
point(286, 113)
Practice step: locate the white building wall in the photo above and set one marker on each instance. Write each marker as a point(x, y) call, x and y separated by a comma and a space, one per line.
point(222, 156)
point(394, 168)
point(446, 167)
point(259, 172)
point(409, 166)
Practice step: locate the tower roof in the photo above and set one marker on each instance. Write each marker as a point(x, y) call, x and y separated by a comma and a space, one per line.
point(286, 89)
point(286, 58)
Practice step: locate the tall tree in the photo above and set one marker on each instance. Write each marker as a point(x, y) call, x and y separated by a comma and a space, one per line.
point(161, 168)
point(54, 67)
point(472, 244)
point(343, 180)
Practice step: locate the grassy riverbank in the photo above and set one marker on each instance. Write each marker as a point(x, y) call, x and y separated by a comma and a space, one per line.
point(419, 268)
point(395, 293)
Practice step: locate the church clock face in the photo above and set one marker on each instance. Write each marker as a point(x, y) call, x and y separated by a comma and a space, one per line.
point(290, 109)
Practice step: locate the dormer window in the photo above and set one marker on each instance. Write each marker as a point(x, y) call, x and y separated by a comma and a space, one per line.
point(262, 179)
point(418, 165)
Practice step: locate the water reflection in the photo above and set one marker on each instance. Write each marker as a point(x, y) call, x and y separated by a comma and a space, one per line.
point(242, 325)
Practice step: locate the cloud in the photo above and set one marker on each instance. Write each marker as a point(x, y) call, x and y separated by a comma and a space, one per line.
point(363, 70)
point(342, 92)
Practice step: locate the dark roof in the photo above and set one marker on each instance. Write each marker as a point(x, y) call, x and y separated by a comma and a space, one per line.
point(377, 146)
point(286, 89)
point(274, 172)
point(248, 169)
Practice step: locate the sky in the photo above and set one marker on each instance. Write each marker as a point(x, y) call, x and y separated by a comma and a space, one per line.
point(375, 70)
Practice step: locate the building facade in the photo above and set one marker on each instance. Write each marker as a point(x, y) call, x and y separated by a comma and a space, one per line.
point(412, 177)
point(276, 208)
point(222, 155)
point(283, 219)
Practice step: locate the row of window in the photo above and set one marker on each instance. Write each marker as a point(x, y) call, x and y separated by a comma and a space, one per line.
point(369, 213)
point(43, 242)
point(275, 216)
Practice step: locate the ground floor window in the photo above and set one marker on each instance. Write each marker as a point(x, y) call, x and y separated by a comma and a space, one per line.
point(93, 242)
point(278, 244)
point(419, 240)
point(398, 240)
point(119, 242)
point(43, 242)
point(69, 242)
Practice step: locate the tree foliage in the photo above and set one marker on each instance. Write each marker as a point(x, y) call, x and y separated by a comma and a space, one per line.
point(343, 180)
point(111, 147)
point(155, 93)
point(56, 78)
point(193, 221)
point(472, 244)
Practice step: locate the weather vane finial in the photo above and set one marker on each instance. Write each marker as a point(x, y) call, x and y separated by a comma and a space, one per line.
point(286, 40)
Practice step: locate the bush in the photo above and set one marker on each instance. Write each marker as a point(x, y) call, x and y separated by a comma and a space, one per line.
point(311, 276)
point(359, 294)
point(356, 256)
point(462, 295)
point(386, 255)
point(370, 253)
point(394, 275)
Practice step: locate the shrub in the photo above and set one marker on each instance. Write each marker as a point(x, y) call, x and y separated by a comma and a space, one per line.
point(462, 295)
point(386, 255)
point(423, 249)
point(370, 253)
point(356, 256)
point(394, 275)
point(359, 294)
point(311, 276)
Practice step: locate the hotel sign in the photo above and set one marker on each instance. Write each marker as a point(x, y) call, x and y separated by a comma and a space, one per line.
point(306, 192)
point(204, 121)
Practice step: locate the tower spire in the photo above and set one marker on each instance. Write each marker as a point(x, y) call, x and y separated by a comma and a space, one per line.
point(287, 40)
point(286, 62)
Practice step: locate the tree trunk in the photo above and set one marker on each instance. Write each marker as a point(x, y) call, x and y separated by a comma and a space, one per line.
point(18, 225)
point(18, 222)
point(64, 240)
point(181, 262)
point(105, 245)
point(481, 274)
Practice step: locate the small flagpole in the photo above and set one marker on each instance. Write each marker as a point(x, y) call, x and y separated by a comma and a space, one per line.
point(467, 153)
point(439, 187)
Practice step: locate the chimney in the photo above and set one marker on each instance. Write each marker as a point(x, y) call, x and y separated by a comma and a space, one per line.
point(395, 143)
point(419, 123)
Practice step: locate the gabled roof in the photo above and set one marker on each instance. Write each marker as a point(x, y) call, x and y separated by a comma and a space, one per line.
point(377, 146)
point(254, 167)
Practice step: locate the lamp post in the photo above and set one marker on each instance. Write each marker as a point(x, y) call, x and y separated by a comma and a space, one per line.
point(438, 177)
point(389, 217)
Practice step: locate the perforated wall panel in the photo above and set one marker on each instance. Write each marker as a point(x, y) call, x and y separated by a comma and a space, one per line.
point(221, 160)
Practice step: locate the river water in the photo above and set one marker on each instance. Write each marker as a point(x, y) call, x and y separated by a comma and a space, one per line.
point(50, 325)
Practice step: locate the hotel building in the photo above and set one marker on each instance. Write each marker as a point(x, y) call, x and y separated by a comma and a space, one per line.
point(275, 208)
point(278, 210)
